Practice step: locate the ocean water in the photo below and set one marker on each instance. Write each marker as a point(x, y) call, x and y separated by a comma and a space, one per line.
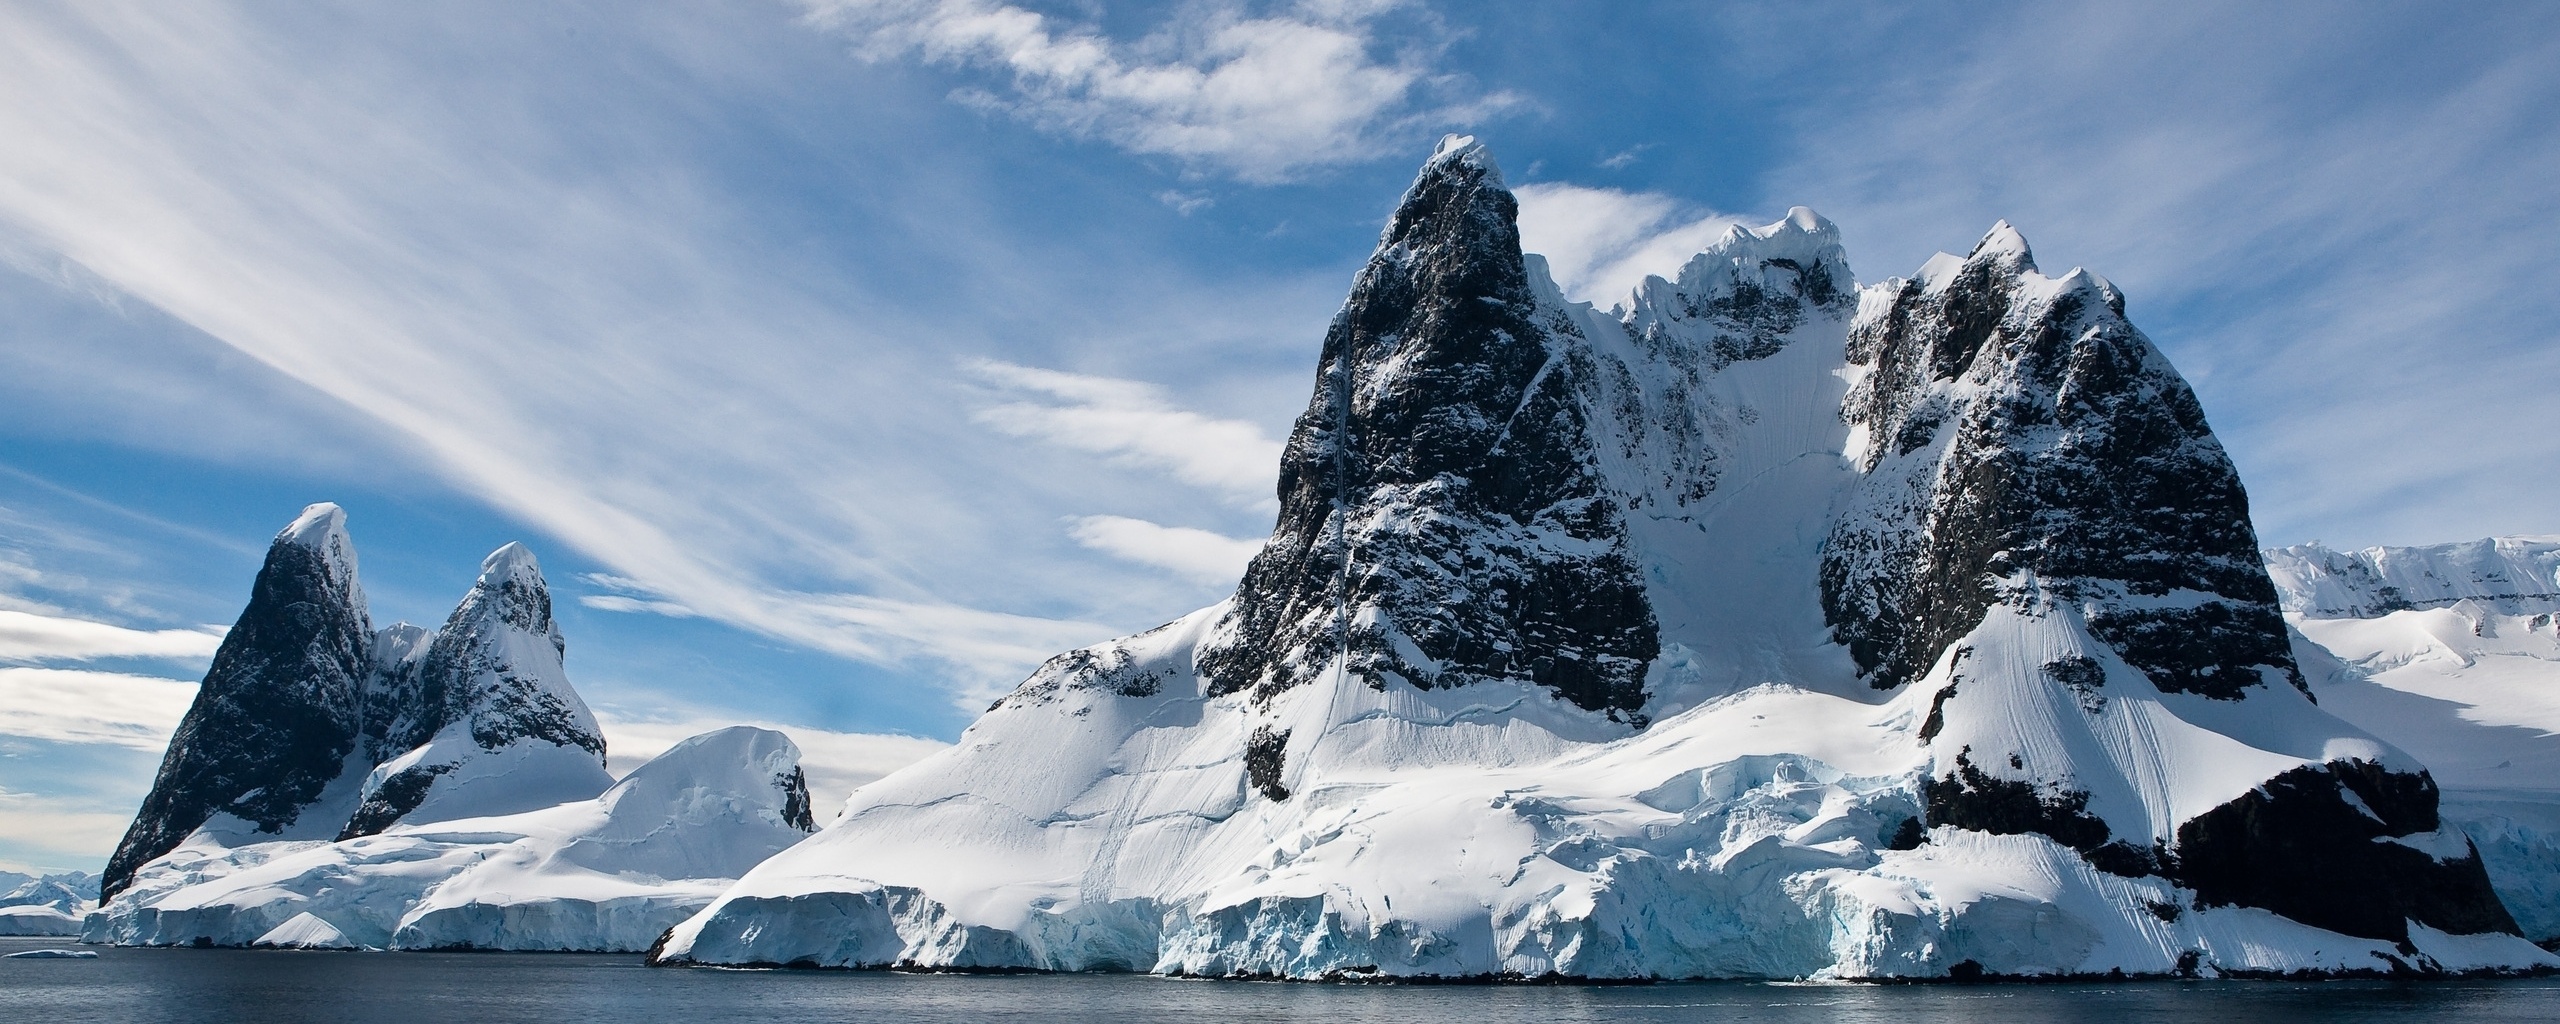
point(141, 986)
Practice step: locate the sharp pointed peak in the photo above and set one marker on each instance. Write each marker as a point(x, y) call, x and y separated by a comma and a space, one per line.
point(1466, 149)
point(314, 528)
point(512, 558)
point(2003, 240)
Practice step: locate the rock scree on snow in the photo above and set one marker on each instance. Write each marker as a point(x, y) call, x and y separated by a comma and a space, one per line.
point(1759, 625)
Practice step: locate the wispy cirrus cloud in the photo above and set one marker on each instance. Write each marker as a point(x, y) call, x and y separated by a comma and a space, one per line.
point(577, 331)
point(1132, 422)
point(1138, 425)
point(81, 706)
point(2343, 240)
point(1194, 554)
point(1263, 98)
point(48, 833)
point(1600, 243)
point(31, 637)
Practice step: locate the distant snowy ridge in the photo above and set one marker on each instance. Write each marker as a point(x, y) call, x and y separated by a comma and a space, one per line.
point(2510, 575)
point(46, 904)
point(464, 801)
point(1758, 627)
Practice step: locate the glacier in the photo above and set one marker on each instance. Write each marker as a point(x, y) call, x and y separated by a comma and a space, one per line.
point(1760, 626)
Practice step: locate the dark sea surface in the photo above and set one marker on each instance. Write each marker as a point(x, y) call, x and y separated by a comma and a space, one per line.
point(154, 985)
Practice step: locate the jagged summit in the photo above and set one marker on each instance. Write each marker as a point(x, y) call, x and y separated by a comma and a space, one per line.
point(1455, 148)
point(512, 559)
point(311, 725)
point(321, 526)
point(2004, 241)
point(1763, 626)
point(1441, 515)
point(2016, 428)
point(308, 800)
point(484, 697)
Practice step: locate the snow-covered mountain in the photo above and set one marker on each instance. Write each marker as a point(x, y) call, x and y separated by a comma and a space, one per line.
point(46, 904)
point(1759, 626)
point(2507, 575)
point(2453, 652)
point(465, 801)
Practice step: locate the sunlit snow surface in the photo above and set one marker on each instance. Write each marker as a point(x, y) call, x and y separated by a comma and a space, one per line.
point(1484, 831)
point(1493, 829)
point(609, 872)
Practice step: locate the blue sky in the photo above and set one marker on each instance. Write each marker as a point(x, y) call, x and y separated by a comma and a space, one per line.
point(842, 359)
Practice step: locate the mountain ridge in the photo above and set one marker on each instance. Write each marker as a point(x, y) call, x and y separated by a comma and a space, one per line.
point(1360, 766)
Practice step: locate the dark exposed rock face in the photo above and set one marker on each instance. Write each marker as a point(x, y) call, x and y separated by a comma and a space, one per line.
point(469, 672)
point(493, 669)
point(1442, 516)
point(394, 798)
point(1265, 757)
point(303, 690)
point(795, 800)
point(2313, 845)
point(1106, 667)
point(2021, 433)
point(2023, 444)
point(279, 710)
point(1971, 798)
point(475, 675)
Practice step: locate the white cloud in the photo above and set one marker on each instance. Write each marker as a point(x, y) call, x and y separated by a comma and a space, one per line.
point(1625, 157)
point(635, 605)
point(836, 762)
point(1135, 423)
point(596, 351)
point(1186, 203)
point(1263, 98)
point(1600, 243)
point(993, 650)
point(1196, 554)
point(51, 832)
point(26, 636)
point(79, 706)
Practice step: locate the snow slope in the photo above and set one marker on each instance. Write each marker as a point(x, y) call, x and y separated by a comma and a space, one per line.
point(2458, 662)
point(606, 873)
point(1548, 669)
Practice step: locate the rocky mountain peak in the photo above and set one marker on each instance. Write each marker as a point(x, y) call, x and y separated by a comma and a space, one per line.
point(2013, 426)
point(280, 707)
point(1443, 519)
point(2004, 244)
point(1417, 742)
point(488, 686)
